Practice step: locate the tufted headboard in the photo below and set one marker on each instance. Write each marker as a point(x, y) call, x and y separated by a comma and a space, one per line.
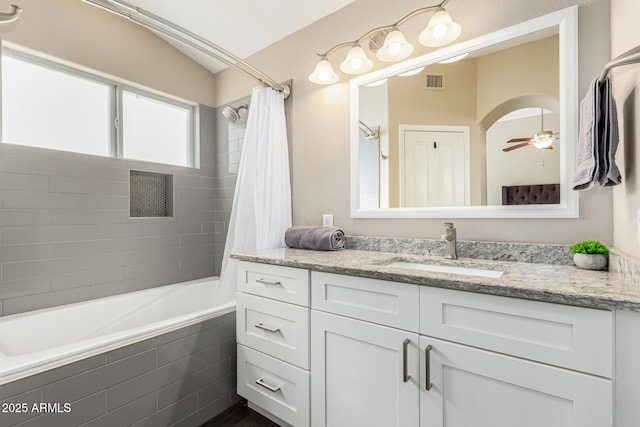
point(540, 194)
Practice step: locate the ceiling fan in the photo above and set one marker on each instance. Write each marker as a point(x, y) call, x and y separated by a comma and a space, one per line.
point(542, 139)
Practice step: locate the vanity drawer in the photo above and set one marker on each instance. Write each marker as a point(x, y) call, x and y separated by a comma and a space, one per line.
point(275, 386)
point(274, 281)
point(379, 301)
point(566, 336)
point(276, 328)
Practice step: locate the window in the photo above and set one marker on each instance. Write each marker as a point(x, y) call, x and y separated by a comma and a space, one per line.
point(44, 107)
point(155, 130)
point(53, 106)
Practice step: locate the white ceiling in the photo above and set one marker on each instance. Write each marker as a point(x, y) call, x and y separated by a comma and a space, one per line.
point(243, 27)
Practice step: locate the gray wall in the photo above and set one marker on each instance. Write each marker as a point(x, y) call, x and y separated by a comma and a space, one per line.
point(182, 378)
point(66, 236)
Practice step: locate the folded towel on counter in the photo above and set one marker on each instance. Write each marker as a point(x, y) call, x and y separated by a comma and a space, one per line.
point(597, 138)
point(316, 238)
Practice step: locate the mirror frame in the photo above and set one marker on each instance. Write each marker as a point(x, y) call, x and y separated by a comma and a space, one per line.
point(567, 21)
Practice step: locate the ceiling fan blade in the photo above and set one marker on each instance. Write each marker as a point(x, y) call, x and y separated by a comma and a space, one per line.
point(518, 140)
point(547, 148)
point(513, 147)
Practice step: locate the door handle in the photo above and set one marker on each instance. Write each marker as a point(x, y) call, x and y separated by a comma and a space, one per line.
point(405, 367)
point(267, 282)
point(261, 383)
point(427, 354)
point(267, 328)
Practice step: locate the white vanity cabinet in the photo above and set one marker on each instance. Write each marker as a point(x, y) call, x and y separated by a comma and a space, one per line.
point(394, 354)
point(479, 388)
point(272, 331)
point(363, 373)
point(477, 381)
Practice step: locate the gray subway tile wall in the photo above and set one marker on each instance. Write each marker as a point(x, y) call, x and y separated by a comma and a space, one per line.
point(184, 377)
point(66, 235)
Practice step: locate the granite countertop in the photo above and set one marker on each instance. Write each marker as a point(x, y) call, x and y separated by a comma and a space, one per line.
point(561, 284)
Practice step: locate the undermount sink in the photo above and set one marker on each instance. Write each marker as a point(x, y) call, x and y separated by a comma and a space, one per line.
point(451, 269)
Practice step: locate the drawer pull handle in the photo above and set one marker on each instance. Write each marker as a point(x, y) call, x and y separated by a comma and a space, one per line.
point(405, 367)
point(427, 353)
point(261, 383)
point(267, 328)
point(268, 282)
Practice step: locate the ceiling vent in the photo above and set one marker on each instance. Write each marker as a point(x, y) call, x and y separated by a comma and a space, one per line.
point(433, 81)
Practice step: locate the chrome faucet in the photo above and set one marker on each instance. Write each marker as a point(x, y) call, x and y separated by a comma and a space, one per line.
point(449, 238)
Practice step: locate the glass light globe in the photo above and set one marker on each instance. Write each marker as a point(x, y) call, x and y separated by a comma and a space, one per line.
point(440, 30)
point(356, 62)
point(395, 47)
point(323, 74)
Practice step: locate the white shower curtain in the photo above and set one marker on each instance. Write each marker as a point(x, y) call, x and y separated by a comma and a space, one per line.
point(261, 210)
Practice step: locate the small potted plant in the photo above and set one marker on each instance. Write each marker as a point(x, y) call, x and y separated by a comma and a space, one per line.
point(590, 254)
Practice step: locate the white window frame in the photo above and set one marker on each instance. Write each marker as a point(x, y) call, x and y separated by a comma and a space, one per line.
point(117, 88)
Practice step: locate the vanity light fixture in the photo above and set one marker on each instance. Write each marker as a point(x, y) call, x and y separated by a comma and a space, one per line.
point(395, 47)
point(323, 73)
point(356, 61)
point(440, 30)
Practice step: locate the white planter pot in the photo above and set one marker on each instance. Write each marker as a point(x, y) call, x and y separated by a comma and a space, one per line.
point(590, 261)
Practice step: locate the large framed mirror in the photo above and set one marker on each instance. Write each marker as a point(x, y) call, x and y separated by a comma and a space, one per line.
point(486, 128)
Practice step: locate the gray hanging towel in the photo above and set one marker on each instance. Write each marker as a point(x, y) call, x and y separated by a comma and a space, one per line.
point(611, 173)
point(587, 168)
point(598, 138)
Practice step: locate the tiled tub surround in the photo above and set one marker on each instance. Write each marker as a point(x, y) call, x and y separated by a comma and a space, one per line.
point(555, 283)
point(181, 378)
point(66, 235)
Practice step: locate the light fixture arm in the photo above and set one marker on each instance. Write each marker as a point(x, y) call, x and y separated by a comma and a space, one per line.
point(402, 21)
point(12, 16)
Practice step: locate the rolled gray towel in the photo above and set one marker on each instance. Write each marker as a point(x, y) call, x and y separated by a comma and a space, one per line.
point(316, 238)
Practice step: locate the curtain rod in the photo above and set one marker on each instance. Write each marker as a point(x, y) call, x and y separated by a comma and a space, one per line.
point(629, 57)
point(182, 35)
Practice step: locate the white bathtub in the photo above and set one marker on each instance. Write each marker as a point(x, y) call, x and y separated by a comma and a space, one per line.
point(43, 339)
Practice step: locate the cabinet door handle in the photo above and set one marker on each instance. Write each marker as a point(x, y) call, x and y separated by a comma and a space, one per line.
point(261, 383)
point(268, 282)
point(267, 328)
point(427, 354)
point(405, 367)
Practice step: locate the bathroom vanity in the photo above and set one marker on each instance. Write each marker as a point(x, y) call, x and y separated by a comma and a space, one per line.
point(368, 338)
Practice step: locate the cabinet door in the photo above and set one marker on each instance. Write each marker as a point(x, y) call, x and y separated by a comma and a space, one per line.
point(362, 374)
point(472, 387)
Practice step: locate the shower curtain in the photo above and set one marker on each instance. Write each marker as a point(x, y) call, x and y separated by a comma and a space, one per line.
point(261, 210)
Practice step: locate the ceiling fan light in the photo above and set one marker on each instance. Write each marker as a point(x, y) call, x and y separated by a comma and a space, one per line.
point(356, 62)
point(323, 74)
point(440, 30)
point(542, 139)
point(395, 47)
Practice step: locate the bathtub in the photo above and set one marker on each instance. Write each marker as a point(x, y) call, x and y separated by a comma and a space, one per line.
point(39, 340)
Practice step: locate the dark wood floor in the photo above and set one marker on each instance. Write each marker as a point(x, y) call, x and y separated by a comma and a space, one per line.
point(239, 415)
